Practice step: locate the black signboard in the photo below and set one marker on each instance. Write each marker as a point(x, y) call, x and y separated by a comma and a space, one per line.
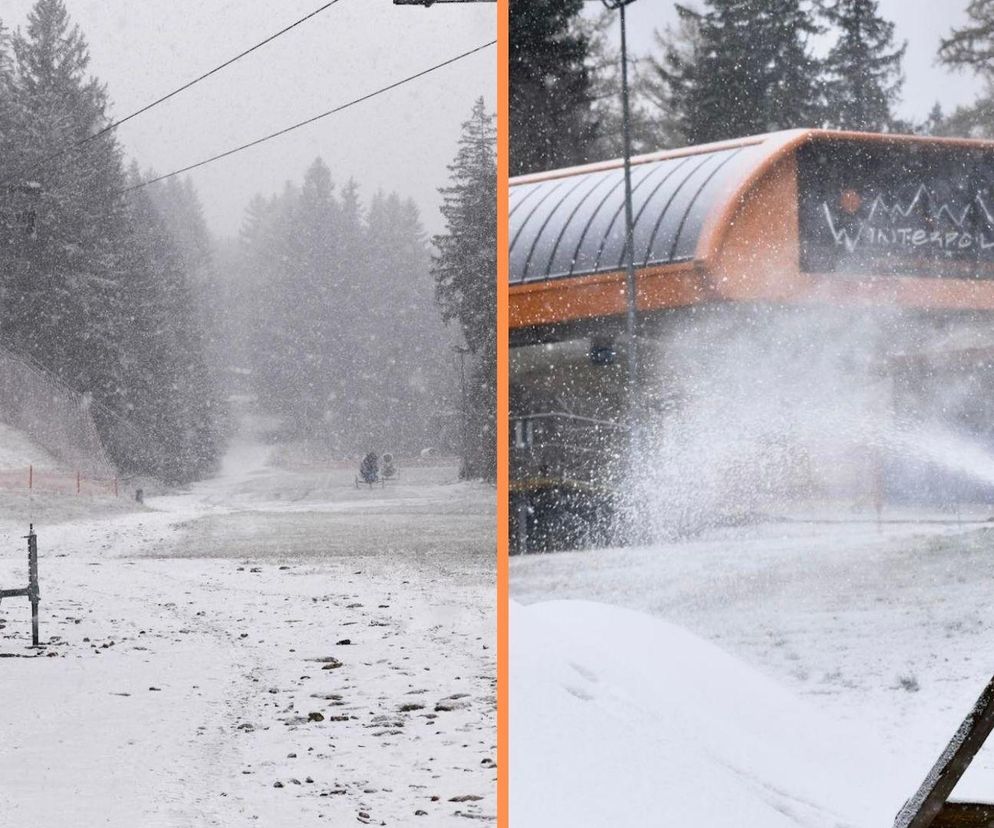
point(892, 209)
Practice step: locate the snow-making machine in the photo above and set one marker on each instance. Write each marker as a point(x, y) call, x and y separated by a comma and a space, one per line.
point(754, 258)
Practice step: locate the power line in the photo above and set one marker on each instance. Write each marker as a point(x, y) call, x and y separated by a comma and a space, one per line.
point(185, 86)
point(339, 108)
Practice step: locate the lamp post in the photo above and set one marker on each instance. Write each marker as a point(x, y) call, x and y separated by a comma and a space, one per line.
point(626, 129)
point(631, 295)
point(462, 350)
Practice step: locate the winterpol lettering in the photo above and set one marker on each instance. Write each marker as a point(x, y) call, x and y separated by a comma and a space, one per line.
point(868, 235)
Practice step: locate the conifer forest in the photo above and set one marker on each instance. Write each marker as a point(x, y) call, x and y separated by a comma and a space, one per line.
point(324, 307)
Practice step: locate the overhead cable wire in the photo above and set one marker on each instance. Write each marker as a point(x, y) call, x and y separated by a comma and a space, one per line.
point(115, 124)
point(300, 124)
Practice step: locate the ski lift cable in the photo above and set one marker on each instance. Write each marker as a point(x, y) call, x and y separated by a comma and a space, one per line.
point(115, 124)
point(300, 124)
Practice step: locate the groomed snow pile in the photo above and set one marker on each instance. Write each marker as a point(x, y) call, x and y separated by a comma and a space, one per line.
point(618, 718)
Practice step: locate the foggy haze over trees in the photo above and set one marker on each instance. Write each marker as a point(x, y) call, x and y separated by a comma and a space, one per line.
point(344, 339)
point(325, 307)
point(95, 288)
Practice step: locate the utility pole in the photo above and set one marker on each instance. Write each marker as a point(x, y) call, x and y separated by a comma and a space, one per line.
point(631, 294)
point(462, 350)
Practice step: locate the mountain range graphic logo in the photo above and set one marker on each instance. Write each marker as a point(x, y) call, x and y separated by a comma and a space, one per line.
point(924, 221)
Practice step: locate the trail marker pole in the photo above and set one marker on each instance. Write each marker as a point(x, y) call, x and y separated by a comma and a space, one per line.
point(34, 595)
point(31, 591)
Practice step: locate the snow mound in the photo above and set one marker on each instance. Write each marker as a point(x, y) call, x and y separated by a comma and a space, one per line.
point(618, 718)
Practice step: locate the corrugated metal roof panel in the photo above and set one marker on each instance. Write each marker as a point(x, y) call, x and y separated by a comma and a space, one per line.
point(574, 225)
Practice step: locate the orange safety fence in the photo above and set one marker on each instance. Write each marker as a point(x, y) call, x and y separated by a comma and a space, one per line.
point(57, 482)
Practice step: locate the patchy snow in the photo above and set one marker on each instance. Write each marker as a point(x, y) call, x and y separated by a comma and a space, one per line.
point(271, 647)
point(866, 645)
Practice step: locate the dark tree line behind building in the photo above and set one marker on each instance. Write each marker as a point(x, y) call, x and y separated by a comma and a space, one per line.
point(333, 301)
point(729, 68)
point(99, 284)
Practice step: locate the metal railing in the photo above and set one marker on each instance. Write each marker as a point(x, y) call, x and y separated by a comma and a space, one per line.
point(564, 447)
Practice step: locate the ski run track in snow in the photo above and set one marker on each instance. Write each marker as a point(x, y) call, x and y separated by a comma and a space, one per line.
point(272, 647)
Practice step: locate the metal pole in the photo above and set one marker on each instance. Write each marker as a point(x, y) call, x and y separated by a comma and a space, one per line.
point(463, 419)
point(630, 289)
point(34, 595)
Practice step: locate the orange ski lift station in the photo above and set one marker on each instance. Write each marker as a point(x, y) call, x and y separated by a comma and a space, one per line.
point(788, 217)
point(796, 220)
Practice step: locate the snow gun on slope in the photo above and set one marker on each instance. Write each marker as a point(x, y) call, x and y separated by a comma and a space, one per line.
point(31, 590)
point(930, 807)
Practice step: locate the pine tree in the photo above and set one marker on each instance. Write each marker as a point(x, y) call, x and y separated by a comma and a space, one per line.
point(465, 271)
point(166, 391)
point(349, 340)
point(67, 308)
point(751, 70)
point(550, 95)
point(413, 366)
point(100, 293)
point(863, 68)
point(972, 47)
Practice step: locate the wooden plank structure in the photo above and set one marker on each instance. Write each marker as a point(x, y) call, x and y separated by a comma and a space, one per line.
point(929, 807)
point(31, 591)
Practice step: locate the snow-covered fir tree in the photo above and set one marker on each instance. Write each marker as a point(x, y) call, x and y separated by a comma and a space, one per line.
point(863, 76)
point(99, 293)
point(551, 124)
point(751, 70)
point(346, 345)
point(465, 271)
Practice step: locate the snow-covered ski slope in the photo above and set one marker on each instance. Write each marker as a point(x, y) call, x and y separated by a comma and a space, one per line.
point(794, 674)
point(273, 647)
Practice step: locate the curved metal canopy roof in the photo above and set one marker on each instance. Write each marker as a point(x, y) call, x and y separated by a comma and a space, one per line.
point(788, 217)
point(574, 224)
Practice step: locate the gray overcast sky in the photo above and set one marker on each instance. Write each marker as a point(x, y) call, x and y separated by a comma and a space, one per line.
point(921, 22)
point(400, 141)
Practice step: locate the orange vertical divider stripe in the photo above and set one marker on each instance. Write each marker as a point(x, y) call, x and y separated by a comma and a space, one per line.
point(503, 463)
